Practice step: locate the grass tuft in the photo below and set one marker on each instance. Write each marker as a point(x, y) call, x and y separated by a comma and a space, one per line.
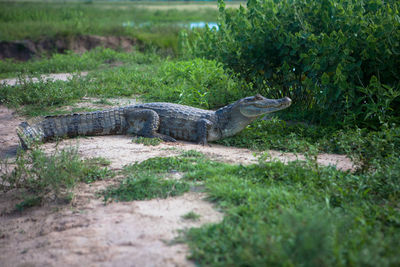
point(145, 187)
point(147, 141)
point(51, 177)
point(192, 216)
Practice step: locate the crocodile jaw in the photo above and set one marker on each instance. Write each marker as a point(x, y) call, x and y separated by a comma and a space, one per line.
point(264, 106)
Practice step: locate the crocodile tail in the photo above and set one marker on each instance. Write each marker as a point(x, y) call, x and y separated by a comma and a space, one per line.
point(92, 123)
point(29, 134)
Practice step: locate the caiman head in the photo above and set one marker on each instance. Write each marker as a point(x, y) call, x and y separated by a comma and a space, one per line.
point(257, 105)
point(237, 116)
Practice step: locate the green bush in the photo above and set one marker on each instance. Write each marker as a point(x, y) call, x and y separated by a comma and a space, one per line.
point(337, 58)
point(198, 82)
point(370, 150)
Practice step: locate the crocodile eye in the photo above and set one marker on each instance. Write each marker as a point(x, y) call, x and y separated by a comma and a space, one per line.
point(258, 97)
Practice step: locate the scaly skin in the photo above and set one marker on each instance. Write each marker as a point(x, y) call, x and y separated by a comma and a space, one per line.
point(164, 120)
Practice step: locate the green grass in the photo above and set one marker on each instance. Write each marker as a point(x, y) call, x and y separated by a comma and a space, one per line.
point(28, 202)
point(199, 83)
point(279, 214)
point(147, 141)
point(52, 177)
point(290, 215)
point(27, 20)
point(368, 149)
point(192, 216)
point(143, 183)
point(145, 186)
point(98, 58)
point(146, 180)
point(275, 133)
point(45, 96)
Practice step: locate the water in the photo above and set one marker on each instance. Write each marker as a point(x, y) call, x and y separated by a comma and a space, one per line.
point(191, 25)
point(203, 25)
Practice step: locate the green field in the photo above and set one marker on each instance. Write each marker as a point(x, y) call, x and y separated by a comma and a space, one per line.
point(152, 23)
point(337, 61)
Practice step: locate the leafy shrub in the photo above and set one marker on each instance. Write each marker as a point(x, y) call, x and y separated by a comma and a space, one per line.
point(198, 82)
point(339, 59)
point(370, 150)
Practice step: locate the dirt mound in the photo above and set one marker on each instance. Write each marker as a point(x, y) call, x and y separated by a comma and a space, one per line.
point(26, 49)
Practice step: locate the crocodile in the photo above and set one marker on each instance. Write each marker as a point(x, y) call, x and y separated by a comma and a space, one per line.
point(166, 121)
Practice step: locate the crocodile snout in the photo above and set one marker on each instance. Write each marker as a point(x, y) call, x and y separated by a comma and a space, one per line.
point(286, 100)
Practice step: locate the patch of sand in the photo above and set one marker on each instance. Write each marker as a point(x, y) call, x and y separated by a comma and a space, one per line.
point(120, 150)
point(137, 233)
point(47, 77)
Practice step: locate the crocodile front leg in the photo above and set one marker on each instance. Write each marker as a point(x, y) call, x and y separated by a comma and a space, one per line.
point(203, 126)
point(145, 122)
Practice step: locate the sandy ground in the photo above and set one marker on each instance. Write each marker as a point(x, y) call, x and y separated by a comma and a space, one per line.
point(55, 76)
point(120, 150)
point(89, 233)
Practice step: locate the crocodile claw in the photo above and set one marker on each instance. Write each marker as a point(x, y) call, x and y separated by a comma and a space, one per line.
point(204, 143)
point(165, 138)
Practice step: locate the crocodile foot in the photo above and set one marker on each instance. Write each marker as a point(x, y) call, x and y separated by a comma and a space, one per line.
point(165, 138)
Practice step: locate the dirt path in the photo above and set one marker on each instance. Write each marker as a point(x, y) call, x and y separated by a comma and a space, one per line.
point(89, 233)
point(120, 150)
point(55, 76)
